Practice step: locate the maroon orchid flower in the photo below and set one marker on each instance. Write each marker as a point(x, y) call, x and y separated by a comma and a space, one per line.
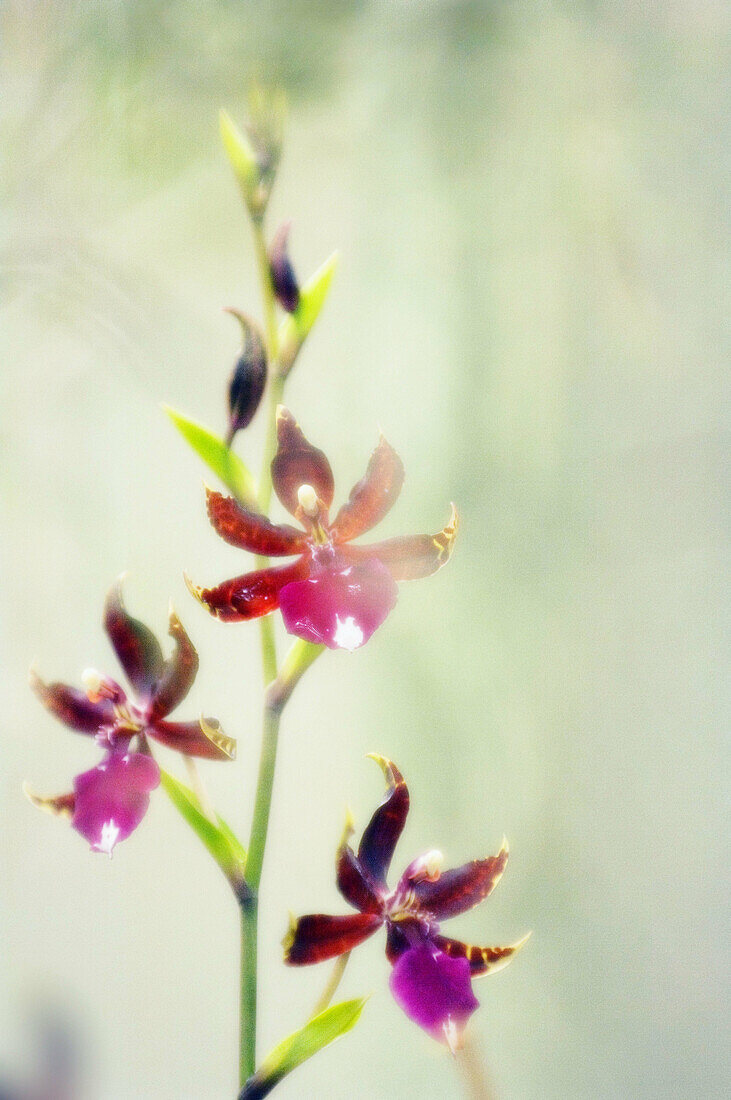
point(432, 975)
point(109, 801)
point(333, 593)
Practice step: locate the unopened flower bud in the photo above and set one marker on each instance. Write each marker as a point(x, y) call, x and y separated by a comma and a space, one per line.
point(284, 279)
point(254, 152)
point(249, 377)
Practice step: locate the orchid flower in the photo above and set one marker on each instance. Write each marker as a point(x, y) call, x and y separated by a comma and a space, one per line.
point(432, 975)
point(109, 801)
point(334, 593)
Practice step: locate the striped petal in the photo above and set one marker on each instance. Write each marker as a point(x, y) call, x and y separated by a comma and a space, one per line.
point(482, 960)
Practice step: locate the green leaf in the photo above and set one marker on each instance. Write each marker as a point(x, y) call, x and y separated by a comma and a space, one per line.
point(301, 1045)
point(221, 459)
point(218, 838)
point(295, 328)
point(240, 153)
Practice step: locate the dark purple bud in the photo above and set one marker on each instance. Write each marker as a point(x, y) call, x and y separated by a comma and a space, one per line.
point(249, 376)
point(284, 279)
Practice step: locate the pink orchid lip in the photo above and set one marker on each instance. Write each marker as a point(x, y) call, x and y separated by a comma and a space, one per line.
point(339, 606)
point(112, 798)
point(435, 991)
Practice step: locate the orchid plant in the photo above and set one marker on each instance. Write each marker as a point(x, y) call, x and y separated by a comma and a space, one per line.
point(332, 593)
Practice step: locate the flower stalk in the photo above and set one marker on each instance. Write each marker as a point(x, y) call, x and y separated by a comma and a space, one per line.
point(300, 657)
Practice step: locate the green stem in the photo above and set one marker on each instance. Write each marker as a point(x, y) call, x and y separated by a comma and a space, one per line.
point(276, 393)
point(268, 757)
point(298, 660)
point(267, 292)
point(331, 988)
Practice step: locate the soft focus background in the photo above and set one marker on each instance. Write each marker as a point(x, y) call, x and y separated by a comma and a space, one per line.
point(531, 301)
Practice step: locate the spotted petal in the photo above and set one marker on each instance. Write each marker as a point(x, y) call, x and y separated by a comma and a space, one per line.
point(318, 937)
point(410, 557)
point(251, 595)
point(250, 531)
point(385, 827)
point(482, 960)
point(372, 497)
point(298, 463)
point(204, 738)
point(457, 891)
point(112, 798)
point(136, 646)
point(435, 991)
point(71, 706)
point(339, 607)
point(179, 672)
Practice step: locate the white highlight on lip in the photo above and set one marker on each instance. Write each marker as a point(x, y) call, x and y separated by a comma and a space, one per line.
point(307, 498)
point(452, 1035)
point(110, 832)
point(348, 634)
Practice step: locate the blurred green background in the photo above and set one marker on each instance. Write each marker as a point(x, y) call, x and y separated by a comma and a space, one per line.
point(531, 302)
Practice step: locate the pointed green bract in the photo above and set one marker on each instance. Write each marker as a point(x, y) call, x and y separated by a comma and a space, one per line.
point(218, 838)
point(225, 464)
point(240, 153)
point(301, 1045)
point(295, 328)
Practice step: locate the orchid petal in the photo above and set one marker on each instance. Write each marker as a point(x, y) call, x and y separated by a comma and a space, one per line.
point(60, 805)
point(339, 607)
point(385, 827)
point(136, 646)
point(179, 672)
point(249, 530)
point(298, 463)
point(112, 798)
point(482, 960)
point(354, 883)
point(72, 707)
point(318, 937)
point(458, 890)
point(372, 497)
point(410, 557)
point(251, 595)
point(434, 991)
point(204, 739)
